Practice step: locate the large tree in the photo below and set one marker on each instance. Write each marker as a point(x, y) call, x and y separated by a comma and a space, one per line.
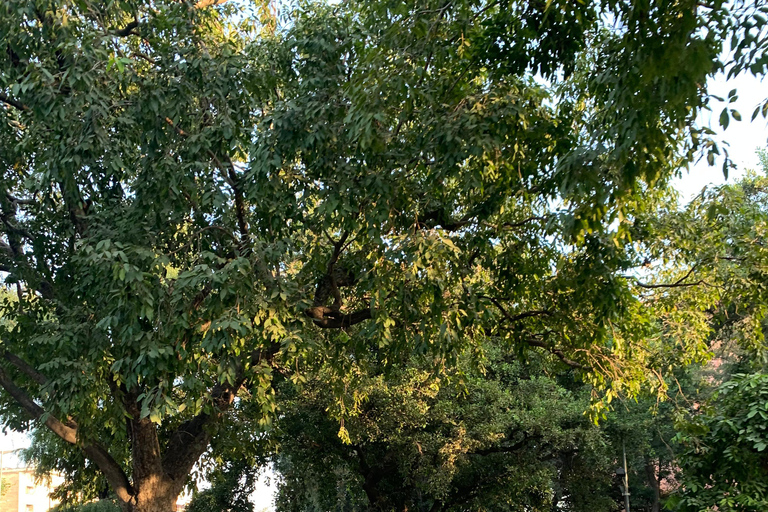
point(195, 199)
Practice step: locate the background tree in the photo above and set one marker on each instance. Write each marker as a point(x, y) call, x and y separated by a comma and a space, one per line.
point(722, 441)
point(509, 438)
point(232, 485)
point(193, 202)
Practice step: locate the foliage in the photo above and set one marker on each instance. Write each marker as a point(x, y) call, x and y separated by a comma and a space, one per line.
point(231, 488)
point(725, 463)
point(196, 202)
point(93, 506)
point(721, 236)
point(509, 439)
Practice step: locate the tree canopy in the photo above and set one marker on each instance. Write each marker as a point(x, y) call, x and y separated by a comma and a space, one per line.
point(510, 438)
point(197, 199)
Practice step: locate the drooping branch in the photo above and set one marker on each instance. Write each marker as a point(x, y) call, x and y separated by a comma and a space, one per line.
point(67, 432)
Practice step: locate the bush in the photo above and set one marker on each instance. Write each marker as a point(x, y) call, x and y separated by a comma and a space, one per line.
point(94, 506)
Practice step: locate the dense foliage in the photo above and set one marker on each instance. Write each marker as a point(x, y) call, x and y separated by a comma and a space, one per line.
point(511, 438)
point(94, 506)
point(231, 487)
point(726, 464)
point(196, 203)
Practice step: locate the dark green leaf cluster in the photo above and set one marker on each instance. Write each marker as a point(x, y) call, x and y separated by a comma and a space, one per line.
point(509, 439)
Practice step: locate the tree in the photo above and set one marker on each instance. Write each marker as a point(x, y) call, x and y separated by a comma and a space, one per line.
point(194, 201)
point(230, 491)
point(722, 440)
point(508, 439)
point(725, 464)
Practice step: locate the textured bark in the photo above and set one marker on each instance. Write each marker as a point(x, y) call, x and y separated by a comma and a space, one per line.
point(653, 474)
point(148, 501)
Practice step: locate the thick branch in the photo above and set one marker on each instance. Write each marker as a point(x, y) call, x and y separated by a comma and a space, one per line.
point(191, 438)
point(65, 432)
point(112, 471)
point(26, 368)
point(127, 30)
point(338, 320)
point(336, 276)
point(242, 225)
point(12, 102)
point(440, 217)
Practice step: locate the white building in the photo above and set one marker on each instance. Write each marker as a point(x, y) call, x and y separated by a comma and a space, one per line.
point(21, 493)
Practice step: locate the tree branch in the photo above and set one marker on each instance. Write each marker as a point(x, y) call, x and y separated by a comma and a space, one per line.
point(239, 204)
point(127, 30)
point(230, 176)
point(26, 368)
point(339, 320)
point(557, 352)
point(191, 438)
point(519, 316)
point(112, 471)
point(501, 448)
point(12, 102)
point(677, 284)
point(18, 200)
point(65, 432)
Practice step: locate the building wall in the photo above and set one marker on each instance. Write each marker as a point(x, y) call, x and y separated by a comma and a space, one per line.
point(24, 494)
point(9, 501)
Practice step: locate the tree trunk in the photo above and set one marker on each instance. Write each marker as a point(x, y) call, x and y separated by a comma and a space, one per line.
point(653, 477)
point(149, 501)
point(153, 489)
